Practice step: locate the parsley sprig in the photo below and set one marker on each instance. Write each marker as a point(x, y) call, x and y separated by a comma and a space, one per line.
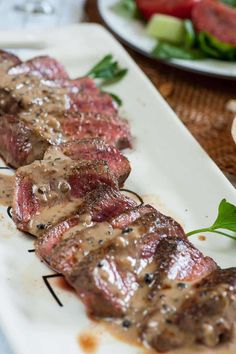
point(226, 220)
point(107, 72)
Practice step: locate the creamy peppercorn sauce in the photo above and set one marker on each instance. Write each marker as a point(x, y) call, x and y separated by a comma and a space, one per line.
point(31, 93)
point(36, 101)
point(6, 189)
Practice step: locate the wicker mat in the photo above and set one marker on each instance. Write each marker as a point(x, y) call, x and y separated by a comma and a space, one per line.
point(199, 101)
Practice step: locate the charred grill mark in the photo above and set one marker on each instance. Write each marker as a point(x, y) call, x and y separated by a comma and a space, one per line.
point(134, 193)
point(48, 285)
point(9, 209)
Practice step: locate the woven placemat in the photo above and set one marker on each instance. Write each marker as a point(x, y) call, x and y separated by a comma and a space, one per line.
point(199, 101)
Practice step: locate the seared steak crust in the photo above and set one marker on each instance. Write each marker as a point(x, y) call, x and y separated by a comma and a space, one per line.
point(112, 271)
point(96, 149)
point(20, 144)
point(209, 314)
point(46, 191)
point(66, 252)
point(7, 60)
point(102, 204)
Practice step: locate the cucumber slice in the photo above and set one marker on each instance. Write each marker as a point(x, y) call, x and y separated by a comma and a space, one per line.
point(166, 28)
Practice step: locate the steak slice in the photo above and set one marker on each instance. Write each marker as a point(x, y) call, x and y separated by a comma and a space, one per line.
point(123, 220)
point(208, 315)
point(91, 102)
point(107, 278)
point(100, 205)
point(24, 92)
point(27, 93)
point(7, 60)
point(113, 130)
point(49, 190)
point(79, 85)
point(27, 138)
point(96, 149)
point(42, 66)
point(74, 244)
point(85, 95)
point(20, 143)
point(170, 282)
point(44, 111)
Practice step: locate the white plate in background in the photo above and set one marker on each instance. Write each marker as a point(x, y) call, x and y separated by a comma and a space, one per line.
point(168, 165)
point(132, 32)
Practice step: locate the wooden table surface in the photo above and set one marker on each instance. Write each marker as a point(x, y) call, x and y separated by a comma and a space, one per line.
point(199, 101)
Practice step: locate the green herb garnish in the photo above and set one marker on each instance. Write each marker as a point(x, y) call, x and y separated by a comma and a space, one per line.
point(115, 98)
point(107, 71)
point(226, 220)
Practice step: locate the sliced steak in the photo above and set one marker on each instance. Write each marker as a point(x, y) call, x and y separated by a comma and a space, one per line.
point(21, 144)
point(123, 220)
point(42, 66)
point(100, 205)
point(79, 85)
point(74, 244)
point(96, 149)
point(26, 93)
point(107, 278)
point(209, 313)
point(111, 129)
point(95, 103)
point(177, 267)
point(27, 139)
point(44, 111)
point(49, 190)
point(7, 60)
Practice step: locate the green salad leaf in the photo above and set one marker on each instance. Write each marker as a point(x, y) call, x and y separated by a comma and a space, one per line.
point(196, 46)
point(107, 71)
point(190, 34)
point(164, 50)
point(229, 2)
point(226, 220)
point(126, 8)
point(215, 48)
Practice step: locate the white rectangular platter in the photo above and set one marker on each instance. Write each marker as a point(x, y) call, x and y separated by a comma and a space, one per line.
point(168, 167)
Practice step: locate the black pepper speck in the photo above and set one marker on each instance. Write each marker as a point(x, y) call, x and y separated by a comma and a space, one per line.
point(182, 285)
point(127, 230)
point(41, 226)
point(148, 278)
point(126, 324)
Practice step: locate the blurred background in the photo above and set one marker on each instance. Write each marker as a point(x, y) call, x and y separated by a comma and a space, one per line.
point(40, 13)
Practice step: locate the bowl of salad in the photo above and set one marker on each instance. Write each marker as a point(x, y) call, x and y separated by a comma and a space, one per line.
point(195, 35)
